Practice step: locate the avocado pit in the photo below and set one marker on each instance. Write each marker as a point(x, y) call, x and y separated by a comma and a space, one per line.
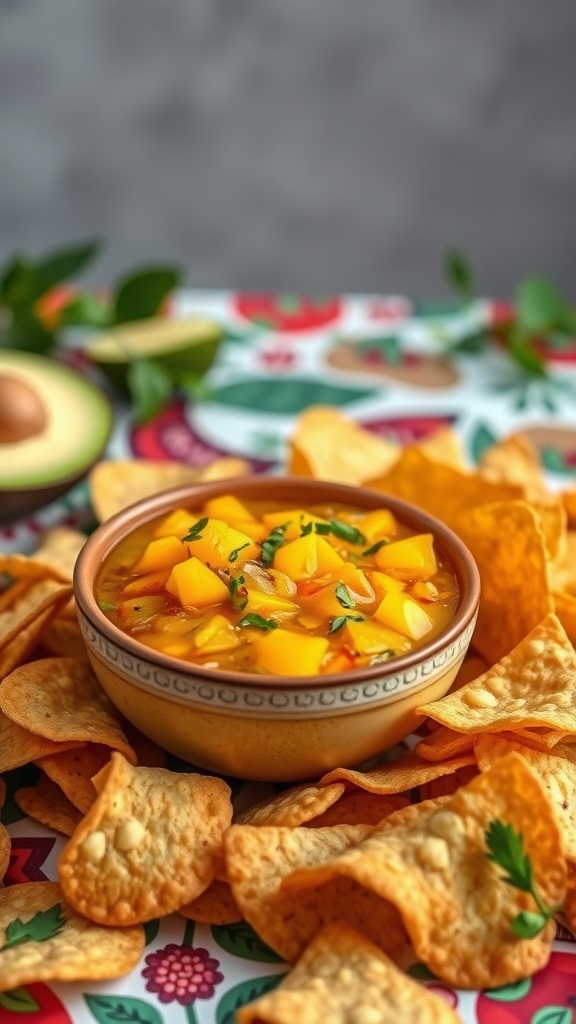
point(22, 412)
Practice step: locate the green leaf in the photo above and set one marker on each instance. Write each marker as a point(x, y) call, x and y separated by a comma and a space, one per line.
point(540, 308)
point(150, 388)
point(45, 924)
point(141, 294)
point(257, 622)
point(238, 593)
point(459, 275)
point(375, 547)
point(195, 532)
point(288, 395)
point(115, 1009)
point(482, 439)
point(510, 993)
point(86, 310)
point(232, 557)
point(527, 924)
point(241, 940)
point(245, 992)
point(151, 929)
point(274, 540)
point(62, 264)
point(27, 334)
point(340, 621)
point(341, 530)
point(18, 1000)
point(523, 353)
point(506, 849)
point(106, 606)
point(552, 1015)
point(16, 281)
point(344, 596)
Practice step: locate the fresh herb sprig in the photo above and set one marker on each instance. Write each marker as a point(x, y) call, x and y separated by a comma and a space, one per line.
point(257, 622)
point(334, 526)
point(232, 557)
point(506, 849)
point(238, 593)
point(375, 547)
point(344, 596)
point(195, 532)
point(341, 620)
point(274, 540)
point(538, 311)
point(44, 925)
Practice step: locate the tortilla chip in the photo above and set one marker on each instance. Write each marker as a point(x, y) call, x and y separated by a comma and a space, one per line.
point(358, 807)
point(443, 744)
point(563, 568)
point(74, 770)
point(444, 446)
point(454, 902)
point(63, 639)
point(214, 906)
point(258, 859)
point(18, 746)
point(532, 687)
point(116, 485)
point(151, 843)
point(21, 626)
point(398, 776)
point(54, 559)
point(328, 446)
point(61, 699)
point(293, 806)
point(342, 978)
point(569, 502)
point(62, 946)
point(565, 608)
point(5, 847)
point(513, 460)
point(12, 593)
point(447, 785)
point(443, 491)
point(507, 544)
point(46, 803)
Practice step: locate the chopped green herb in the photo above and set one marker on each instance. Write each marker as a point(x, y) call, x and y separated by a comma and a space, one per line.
point(506, 849)
point(196, 530)
point(342, 530)
point(375, 547)
point(344, 596)
point(257, 622)
point(106, 606)
point(234, 554)
point(273, 541)
point(307, 528)
point(238, 593)
point(45, 924)
point(341, 620)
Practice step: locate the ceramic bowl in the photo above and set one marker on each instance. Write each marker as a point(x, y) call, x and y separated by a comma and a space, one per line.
point(268, 727)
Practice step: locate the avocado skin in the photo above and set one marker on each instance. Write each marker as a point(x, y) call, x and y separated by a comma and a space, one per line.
point(17, 503)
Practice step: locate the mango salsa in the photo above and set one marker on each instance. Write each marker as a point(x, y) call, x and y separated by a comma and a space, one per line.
point(250, 587)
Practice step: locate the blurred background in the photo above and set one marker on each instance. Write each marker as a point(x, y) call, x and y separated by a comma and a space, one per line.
point(313, 145)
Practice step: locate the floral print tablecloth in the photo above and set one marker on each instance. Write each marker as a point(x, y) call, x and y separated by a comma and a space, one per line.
point(402, 369)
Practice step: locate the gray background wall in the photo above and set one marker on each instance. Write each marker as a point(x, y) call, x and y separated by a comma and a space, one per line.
point(306, 144)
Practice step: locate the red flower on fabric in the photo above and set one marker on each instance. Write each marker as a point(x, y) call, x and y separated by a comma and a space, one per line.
point(182, 973)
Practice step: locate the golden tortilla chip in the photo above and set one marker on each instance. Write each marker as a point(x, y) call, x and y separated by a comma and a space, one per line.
point(5, 846)
point(73, 771)
point(447, 785)
point(508, 546)
point(22, 625)
point(563, 568)
point(398, 776)
point(565, 608)
point(569, 502)
point(59, 945)
point(443, 744)
point(358, 807)
point(118, 484)
point(454, 902)
point(328, 446)
point(444, 446)
point(258, 859)
point(18, 746)
point(293, 806)
point(151, 843)
point(46, 803)
point(214, 906)
point(342, 978)
point(443, 491)
point(513, 460)
point(532, 687)
point(13, 593)
point(61, 699)
point(63, 639)
point(54, 559)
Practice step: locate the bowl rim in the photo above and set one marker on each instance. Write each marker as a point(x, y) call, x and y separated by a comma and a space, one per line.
point(109, 534)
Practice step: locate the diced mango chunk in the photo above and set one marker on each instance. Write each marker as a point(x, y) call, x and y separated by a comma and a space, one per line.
point(371, 638)
point(175, 647)
point(196, 585)
point(227, 507)
point(290, 654)
point(357, 581)
point(270, 606)
point(412, 558)
point(163, 553)
point(176, 625)
point(306, 557)
point(257, 531)
point(295, 517)
point(150, 583)
point(219, 545)
point(136, 611)
point(378, 525)
point(177, 524)
point(402, 612)
point(382, 584)
point(324, 604)
point(216, 635)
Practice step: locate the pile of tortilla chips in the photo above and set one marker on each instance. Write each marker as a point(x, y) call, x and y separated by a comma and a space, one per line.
point(342, 875)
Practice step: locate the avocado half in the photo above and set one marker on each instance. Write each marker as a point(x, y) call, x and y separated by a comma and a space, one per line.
point(69, 423)
point(189, 344)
